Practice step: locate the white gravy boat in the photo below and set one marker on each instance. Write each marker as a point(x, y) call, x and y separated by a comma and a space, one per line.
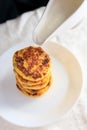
point(64, 14)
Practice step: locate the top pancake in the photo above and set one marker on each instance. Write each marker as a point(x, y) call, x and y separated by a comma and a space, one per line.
point(32, 63)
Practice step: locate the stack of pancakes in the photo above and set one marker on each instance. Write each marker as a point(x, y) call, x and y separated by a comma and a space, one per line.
point(32, 67)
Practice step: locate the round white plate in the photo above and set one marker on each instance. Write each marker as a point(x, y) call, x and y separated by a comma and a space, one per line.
point(48, 108)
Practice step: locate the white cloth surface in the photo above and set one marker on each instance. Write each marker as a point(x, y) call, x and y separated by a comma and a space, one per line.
point(20, 30)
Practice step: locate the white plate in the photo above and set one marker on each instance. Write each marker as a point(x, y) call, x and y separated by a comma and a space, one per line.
point(59, 99)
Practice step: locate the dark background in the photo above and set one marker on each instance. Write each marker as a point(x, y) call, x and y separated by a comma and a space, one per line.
point(10, 9)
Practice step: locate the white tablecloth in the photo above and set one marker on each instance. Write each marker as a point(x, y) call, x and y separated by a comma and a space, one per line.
point(20, 30)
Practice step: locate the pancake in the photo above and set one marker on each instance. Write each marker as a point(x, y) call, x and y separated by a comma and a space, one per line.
point(32, 63)
point(32, 68)
point(34, 93)
point(31, 83)
point(34, 87)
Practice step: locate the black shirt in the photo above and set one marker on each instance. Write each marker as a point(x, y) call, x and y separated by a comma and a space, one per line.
point(10, 9)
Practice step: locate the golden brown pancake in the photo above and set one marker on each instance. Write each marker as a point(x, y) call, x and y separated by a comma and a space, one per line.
point(31, 83)
point(34, 93)
point(34, 87)
point(32, 63)
point(32, 68)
